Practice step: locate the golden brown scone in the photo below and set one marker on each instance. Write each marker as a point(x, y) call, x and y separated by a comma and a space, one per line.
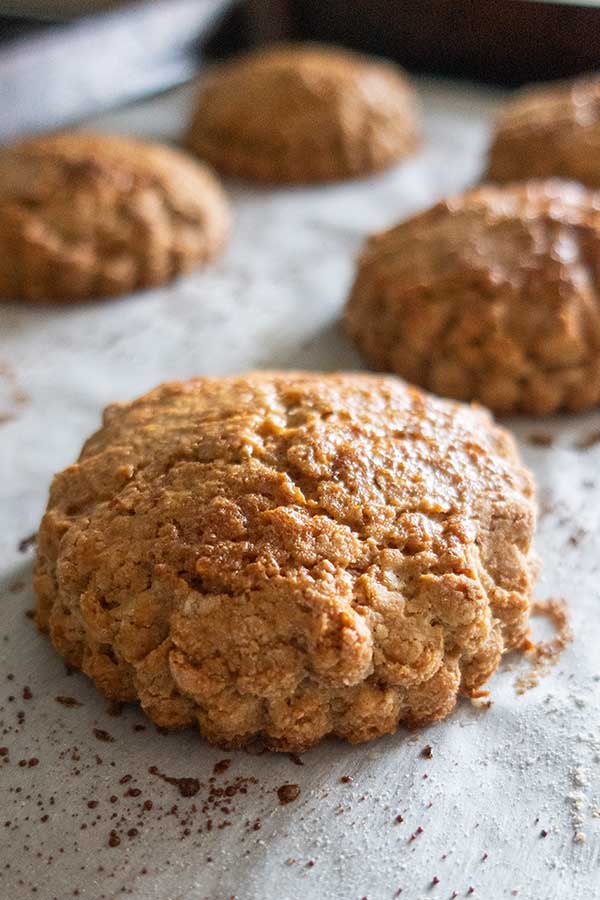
point(492, 295)
point(304, 113)
point(549, 131)
point(87, 215)
point(289, 555)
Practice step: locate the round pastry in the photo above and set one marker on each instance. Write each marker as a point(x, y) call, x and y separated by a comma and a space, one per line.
point(490, 296)
point(289, 555)
point(87, 215)
point(304, 113)
point(549, 131)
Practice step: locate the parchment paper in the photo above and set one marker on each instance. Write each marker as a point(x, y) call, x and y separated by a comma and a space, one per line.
point(506, 805)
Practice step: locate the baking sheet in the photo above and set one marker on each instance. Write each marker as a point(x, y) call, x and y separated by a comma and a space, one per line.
point(508, 803)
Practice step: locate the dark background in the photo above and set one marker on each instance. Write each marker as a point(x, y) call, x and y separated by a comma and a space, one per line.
point(499, 41)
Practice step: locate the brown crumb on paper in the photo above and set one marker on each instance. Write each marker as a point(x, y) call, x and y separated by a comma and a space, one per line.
point(540, 440)
point(27, 542)
point(68, 701)
point(545, 654)
point(11, 394)
point(287, 793)
point(188, 787)
point(589, 440)
point(102, 735)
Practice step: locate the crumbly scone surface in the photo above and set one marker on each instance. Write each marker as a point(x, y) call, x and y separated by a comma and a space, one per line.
point(86, 215)
point(491, 295)
point(289, 555)
point(549, 131)
point(302, 113)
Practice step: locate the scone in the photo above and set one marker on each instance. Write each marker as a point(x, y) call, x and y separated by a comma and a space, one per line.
point(492, 295)
point(87, 215)
point(549, 131)
point(289, 555)
point(304, 113)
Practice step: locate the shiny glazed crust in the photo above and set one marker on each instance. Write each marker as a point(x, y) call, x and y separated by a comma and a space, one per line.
point(289, 556)
point(304, 113)
point(490, 296)
point(549, 131)
point(86, 215)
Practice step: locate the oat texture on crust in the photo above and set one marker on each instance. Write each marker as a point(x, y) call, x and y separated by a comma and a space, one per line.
point(289, 555)
point(87, 215)
point(549, 131)
point(492, 296)
point(304, 113)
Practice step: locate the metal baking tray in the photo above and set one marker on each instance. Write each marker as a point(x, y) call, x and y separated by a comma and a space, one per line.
point(57, 73)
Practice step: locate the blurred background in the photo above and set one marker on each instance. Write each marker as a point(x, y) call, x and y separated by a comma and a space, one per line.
point(66, 60)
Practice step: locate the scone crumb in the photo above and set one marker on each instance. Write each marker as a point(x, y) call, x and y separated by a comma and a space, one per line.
point(545, 654)
point(287, 793)
point(589, 440)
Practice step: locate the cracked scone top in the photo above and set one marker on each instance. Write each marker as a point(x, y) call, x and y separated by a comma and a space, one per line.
point(492, 295)
point(304, 113)
point(87, 215)
point(549, 131)
point(289, 555)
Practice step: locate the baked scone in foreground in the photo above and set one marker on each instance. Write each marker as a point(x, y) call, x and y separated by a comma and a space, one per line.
point(304, 113)
point(87, 215)
point(289, 555)
point(549, 131)
point(492, 295)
